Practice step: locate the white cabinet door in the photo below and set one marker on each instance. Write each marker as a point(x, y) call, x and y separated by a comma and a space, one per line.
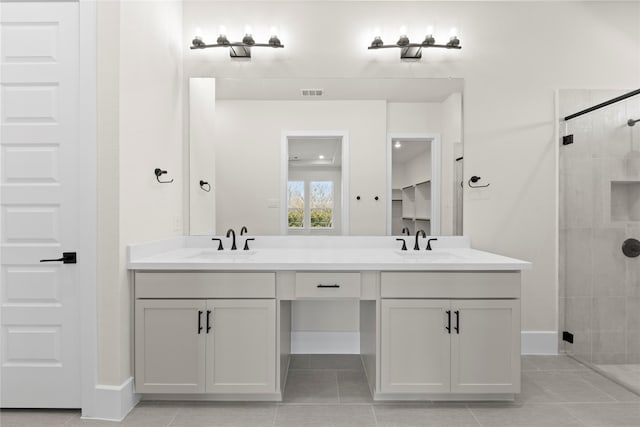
point(415, 346)
point(170, 343)
point(40, 332)
point(241, 346)
point(485, 347)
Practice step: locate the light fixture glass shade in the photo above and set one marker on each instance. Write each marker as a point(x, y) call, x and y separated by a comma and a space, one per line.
point(222, 35)
point(428, 40)
point(274, 40)
point(248, 39)
point(197, 38)
point(453, 42)
point(377, 42)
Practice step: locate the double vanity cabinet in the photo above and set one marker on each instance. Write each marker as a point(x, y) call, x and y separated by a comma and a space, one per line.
point(221, 329)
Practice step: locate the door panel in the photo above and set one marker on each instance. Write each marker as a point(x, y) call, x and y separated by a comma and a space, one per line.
point(415, 346)
point(486, 350)
point(241, 346)
point(170, 346)
point(40, 357)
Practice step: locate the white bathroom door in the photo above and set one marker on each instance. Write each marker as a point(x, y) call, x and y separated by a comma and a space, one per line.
point(40, 333)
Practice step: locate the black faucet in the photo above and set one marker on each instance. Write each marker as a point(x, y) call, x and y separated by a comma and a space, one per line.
point(233, 234)
point(243, 230)
point(424, 235)
point(405, 230)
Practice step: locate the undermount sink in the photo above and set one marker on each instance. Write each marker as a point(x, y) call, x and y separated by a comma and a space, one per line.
point(225, 255)
point(424, 255)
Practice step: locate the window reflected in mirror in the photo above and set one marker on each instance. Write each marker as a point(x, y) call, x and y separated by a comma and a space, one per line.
point(314, 185)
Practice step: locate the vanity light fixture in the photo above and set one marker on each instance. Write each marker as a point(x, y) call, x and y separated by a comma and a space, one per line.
point(413, 51)
point(236, 49)
point(397, 144)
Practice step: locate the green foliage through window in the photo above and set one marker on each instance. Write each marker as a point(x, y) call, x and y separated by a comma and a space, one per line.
point(295, 204)
point(320, 209)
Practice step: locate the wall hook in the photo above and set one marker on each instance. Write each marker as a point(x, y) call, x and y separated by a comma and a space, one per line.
point(205, 186)
point(159, 172)
point(475, 179)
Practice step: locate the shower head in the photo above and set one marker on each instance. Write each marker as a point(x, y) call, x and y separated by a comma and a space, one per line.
point(632, 122)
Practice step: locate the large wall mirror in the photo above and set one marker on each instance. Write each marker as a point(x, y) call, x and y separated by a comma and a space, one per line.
point(325, 156)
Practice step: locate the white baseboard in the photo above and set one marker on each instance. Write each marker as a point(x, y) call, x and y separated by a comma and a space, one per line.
point(114, 402)
point(305, 342)
point(539, 342)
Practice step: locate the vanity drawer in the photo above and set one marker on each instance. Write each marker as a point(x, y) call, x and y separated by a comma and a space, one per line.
point(205, 285)
point(444, 284)
point(327, 285)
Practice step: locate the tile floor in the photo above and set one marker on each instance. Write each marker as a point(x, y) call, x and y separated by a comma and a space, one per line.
point(628, 374)
point(331, 391)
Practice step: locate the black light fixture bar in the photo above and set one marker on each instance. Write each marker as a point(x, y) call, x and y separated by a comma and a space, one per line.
point(243, 50)
point(206, 46)
point(413, 51)
point(445, 46)
point(236, 49)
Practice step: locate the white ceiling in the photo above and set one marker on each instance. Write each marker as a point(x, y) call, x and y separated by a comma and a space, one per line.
point(390, 89)
point(305, 151)
point(409, 150)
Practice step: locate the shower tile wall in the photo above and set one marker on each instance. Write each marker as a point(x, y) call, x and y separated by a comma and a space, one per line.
point(599, 286)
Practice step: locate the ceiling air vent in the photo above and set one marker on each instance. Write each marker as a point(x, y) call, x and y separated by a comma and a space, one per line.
point(311, 92)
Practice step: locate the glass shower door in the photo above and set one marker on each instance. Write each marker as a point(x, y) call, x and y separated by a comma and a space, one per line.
point(600, 210)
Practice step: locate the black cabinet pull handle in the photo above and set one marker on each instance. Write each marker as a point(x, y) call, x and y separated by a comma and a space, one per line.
point(208, 320)
point(329, 286)
point(448, 327)
point(457, 327)
point(199, 321)
point(67, 258)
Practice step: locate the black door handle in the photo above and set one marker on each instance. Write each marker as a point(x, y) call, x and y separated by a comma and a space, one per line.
point(457, 327)
point(67, 258)
point(208, 320)
point(448, 327)
point(328, 286)
point(199, 321)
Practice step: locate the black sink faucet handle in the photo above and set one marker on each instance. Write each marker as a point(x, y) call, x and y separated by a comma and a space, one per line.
point(246, 243)
point(429, 243)
point(404, 244)
point(219, 243)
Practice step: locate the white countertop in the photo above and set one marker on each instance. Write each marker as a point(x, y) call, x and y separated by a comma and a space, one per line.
point(340, 253)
